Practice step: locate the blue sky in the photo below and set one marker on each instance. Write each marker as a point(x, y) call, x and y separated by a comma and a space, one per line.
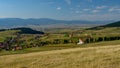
point(61, 9)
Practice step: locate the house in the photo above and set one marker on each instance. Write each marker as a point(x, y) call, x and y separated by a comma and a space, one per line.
point(1, 45)
point(80, 41)
point(14, 48)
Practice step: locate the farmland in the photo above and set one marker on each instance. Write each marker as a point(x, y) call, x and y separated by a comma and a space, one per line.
point(60, 50)
point(66, 39)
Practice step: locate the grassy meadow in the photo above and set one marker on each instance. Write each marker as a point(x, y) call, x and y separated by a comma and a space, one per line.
point(88, 57)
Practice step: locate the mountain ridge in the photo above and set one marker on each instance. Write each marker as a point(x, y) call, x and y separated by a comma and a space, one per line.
point(14, 22)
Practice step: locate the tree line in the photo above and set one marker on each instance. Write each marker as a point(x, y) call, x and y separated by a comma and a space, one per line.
point(99, 39)
point(14, 43)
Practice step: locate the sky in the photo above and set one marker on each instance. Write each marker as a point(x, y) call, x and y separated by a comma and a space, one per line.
point(93, 10)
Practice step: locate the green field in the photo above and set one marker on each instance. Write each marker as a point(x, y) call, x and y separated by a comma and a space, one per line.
point(55, 41)
point(60, 49)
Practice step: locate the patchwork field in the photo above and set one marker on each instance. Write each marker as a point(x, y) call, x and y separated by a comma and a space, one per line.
point(89, 57)
point(60, 50)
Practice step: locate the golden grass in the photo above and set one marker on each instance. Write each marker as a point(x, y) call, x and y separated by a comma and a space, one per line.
point(90, 57)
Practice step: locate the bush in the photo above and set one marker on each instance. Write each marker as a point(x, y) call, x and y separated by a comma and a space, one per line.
point(74, 40)
point(0, 49)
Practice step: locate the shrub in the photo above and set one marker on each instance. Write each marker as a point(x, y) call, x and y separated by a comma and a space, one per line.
point(74, 39)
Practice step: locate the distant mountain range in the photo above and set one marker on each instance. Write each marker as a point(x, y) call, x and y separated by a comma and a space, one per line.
point(18, 22)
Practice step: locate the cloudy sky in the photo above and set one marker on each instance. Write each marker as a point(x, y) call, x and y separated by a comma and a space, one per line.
point(61, 9)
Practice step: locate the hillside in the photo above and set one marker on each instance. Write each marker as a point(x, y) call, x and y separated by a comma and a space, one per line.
point(13, 33)
point(91, 57)
point(115, 24)
point(27, 31)
point(24, 30)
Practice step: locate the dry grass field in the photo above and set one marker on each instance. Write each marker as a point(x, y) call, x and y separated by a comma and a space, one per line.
point(89, 57)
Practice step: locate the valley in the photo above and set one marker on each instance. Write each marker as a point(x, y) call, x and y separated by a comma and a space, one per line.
point(55, 48)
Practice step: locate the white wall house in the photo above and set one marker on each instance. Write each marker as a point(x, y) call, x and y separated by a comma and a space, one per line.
point(80, 41)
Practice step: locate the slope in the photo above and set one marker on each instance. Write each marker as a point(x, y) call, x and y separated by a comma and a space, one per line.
point(91, 57)
point(115, 24)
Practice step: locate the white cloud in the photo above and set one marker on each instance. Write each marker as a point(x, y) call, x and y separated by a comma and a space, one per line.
point(86, 9)
point(78, 11)
point(111, 9)
point(68, 1)
point(114, 9)
point(101, 7)
point(95, 11)
point(58, 8)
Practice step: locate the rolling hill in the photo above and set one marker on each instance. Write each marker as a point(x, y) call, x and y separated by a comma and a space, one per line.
point(115, 24)
point(24, 30)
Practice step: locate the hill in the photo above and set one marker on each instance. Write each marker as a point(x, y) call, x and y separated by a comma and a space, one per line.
point(90, 57)
point(18, 22)
point(27, 31)
point(24, 30)
point(115, 24)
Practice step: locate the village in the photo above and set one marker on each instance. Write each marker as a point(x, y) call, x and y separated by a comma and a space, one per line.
point(22, 41)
